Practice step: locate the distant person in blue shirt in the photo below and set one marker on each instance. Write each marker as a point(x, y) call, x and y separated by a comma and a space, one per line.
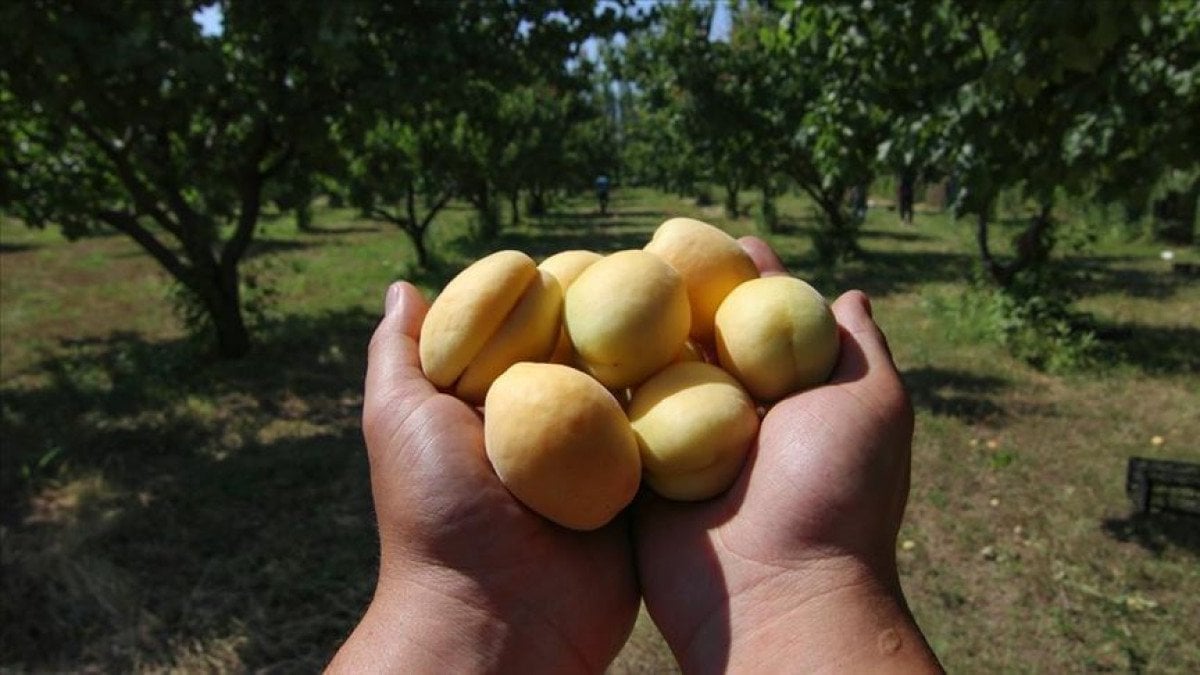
point(602, 193)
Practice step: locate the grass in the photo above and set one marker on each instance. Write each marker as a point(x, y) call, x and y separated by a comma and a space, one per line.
point(162, 511)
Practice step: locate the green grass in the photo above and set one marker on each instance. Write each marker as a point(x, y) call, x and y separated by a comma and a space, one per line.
point(163, 511)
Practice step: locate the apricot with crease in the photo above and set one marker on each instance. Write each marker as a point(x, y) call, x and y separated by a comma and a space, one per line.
point(496, 312)
point(776, 335)
point(561, 444)
point(694, 425)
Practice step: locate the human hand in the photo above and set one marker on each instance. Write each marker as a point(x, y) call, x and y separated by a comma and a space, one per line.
point(469, 578)
point(794, 568)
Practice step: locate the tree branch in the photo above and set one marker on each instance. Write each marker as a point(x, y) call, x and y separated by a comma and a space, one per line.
point(127, 222)
point(143, 199)
point(249, 186)
point(170, 187)
point(380, 213)
point(280, 160)
point(250, 196)
point(433, 210)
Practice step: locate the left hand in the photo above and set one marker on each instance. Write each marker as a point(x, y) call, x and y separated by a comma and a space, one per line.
point(469, 578)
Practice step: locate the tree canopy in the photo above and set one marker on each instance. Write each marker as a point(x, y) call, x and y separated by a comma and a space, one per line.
point(123, 115)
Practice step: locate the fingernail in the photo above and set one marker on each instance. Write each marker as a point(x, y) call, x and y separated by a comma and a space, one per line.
point(391, 299)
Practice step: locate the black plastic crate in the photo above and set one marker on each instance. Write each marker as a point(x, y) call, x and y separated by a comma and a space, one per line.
point(1163, 485)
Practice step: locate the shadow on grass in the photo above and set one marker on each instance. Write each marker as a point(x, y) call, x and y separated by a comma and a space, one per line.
point(588, 216)
point(893, 235)
point(540, 242)
point(881, 273)
point(348, 229)
point(592, 223)
point(1100, 275)
point(1155, 532)
point(154, 505)
point(955, 393)
point(267, 247)
point(18, 248)
point(793, 224)
point(1157, 350)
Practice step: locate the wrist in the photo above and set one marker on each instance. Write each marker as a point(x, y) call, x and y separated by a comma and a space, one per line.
point(410, 627)
point(830, 615)
point(433, 619)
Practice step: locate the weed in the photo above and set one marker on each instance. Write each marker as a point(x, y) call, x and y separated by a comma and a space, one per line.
point(1002, 459)
point(1033, 319)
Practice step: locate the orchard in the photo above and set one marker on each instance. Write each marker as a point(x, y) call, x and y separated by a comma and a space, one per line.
point(202, 203)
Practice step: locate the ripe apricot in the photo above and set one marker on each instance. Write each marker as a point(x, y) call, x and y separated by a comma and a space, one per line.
point(496, 312)
point(561, 444)
point(694, 425)
point(776, 335)
point(711, 263)
point(627, 316)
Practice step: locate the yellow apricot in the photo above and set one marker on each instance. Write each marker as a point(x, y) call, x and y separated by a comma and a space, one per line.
point(566, 267)
point(710, 261)
point(528, 333)
point(694, 425)
point(776, 335)
point(627, 316)
point(561, 444)
point(469, 310)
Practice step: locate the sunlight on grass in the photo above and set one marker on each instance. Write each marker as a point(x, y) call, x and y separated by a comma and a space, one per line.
point(165, 511)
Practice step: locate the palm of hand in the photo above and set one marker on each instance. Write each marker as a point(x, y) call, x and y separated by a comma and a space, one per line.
point(827, 480)
point(446, 520)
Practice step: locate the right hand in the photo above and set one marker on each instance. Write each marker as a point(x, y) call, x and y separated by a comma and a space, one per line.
point(794, 567)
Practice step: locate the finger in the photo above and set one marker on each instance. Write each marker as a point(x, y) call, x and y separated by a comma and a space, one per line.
point(393, 362)
point(764, 257)
point(864, 347)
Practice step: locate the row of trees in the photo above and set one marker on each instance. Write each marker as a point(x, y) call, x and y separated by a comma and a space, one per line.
point(124, 115)
point(1084, 99)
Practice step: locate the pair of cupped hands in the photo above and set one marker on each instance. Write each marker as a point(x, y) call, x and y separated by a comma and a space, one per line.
point(792, 570)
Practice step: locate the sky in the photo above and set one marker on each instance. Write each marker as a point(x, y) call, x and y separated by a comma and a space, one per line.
point(211, 20)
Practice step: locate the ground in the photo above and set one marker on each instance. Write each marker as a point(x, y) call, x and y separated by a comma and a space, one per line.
point(164, 510)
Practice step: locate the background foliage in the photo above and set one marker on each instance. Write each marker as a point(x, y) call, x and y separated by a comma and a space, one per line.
point(165, 509)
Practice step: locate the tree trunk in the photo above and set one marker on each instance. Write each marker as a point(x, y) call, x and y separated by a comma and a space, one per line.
point(220, 293)
point(415, 230)
point(418, 242)
point(233, 340)
point(489, 220)
point(1175, 215)
point(1033, 247)
point(842, 233)
point(304, 217)
point(768, 211)
point(537, 202)
point(838, 239)
point(731, 199)
point(514, 207)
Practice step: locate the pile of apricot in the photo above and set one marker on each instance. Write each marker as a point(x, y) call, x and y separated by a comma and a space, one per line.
point(596, 371)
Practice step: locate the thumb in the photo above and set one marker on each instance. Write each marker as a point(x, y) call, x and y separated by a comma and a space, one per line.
point(394, 375)
point(864, 348)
